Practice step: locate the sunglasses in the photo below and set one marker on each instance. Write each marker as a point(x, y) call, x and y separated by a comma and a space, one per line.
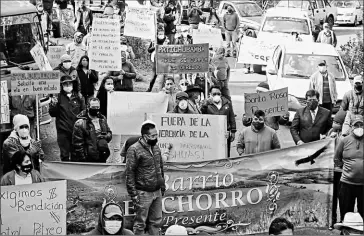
point(24, 127)
point(260, 120)
point(216, 94)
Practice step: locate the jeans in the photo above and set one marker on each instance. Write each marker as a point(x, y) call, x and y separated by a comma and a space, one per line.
point(231, 37)
point(148, 213)
point(64, 140)
point(335, 196)
point(347, 195)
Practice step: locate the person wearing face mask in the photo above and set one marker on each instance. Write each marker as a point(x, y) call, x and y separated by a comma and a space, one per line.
point(218, 105)
point(87, 77)
point(194, 98)
point(106, 87)
point(66, 68)
point(327, 36)
point(183, 83)
point(145, 180)
point(83, 18)
point(124, 78)
point(349, 154)
point(181, 105)
point(185, 38)
point(324, 83)
point(222, 72)
point(194, 16)
point(91, 135)
point(129, 50)
point(65, 109)
point(23, 172)
point(170, 90)
point(353, 100)
point(213, 19)
point(352, 224)
point(311, 123)
point(258, 138)
point(76, 49)
point(20, 140)
point(231, 25)
point(111, 221)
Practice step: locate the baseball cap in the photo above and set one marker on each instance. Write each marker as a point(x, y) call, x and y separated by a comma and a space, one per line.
point(112, 210)
point(66, 78)
point(357, 119)
point(181, 95)
point(322, 63)
point(65, 58)
point(176, 230)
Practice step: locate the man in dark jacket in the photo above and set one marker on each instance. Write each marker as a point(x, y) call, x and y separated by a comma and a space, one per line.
point(83, 18)
point(145, 180)
point(218, 105)
point(170, 29)
point(124, 78)
point(65, 109)
point(111, 221)
point(91, 135)
point(310, 123)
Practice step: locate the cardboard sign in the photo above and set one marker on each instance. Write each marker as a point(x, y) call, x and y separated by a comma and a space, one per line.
point(37, 82)
point(273, 103)
point(104, 50)
point(126, 110)
point(194, 137)
point(212, 36)
point(5, 112)
point(40, 57)
point(54, 55)
point(34, 209)
point(140, 23)
point(255, 51)
point(182, 59)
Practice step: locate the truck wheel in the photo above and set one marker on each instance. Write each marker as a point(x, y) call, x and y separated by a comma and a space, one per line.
point(330, 20)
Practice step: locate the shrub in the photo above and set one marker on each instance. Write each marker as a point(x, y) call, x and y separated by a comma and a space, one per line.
point(352, 55)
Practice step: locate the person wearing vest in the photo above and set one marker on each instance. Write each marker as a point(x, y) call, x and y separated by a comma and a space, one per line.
point(353, 100)
point(83, 18)
point(327, 36)
point(324, 83)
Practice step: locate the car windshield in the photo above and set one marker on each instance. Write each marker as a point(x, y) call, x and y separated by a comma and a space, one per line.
point(247, 9)
point(301, 66)
point(295, 4)
point(286, 25)
point(344, 4)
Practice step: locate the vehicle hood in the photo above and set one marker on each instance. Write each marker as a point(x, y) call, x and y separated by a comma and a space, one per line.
point(341, 10)
point(254, 21)
point(281, 37)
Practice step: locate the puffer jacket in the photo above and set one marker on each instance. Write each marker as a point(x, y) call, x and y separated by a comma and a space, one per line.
point(84, 138)
point(25, 106)
point(12, 144)
point(226, 109)
point(71, 72)
point(144, 168)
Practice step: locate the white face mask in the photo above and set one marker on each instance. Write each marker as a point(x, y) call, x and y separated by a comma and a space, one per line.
point(182, 105)
point(358, 132)
point(68, 89)
point(25, 142)
point(183, 88)
point(112, 226)
point(109, 87)
point(23, 133)
point(160, 37)
point(67, 65)
point(216, 99)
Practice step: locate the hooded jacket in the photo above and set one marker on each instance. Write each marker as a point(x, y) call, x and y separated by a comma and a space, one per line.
point(99, 230)
point(9, 178)
point(84, 138)
point(70, 72)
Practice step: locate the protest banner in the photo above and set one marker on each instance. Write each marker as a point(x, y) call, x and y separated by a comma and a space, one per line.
point(54, 55)
point(210, 35)
point(77, 54)
point(40, 57)
point(273, 103)
point(34, 209)
point(194, 137)
point(5, 112)
point(104, 50)
point(35, 82)
point(182, 59)
point(255, 51)
point(239, 195)
point(126, 110)
point(140, 23)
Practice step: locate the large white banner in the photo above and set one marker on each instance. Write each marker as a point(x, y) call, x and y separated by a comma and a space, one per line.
point(255, 51)
point(140, 22)
point(212, 36)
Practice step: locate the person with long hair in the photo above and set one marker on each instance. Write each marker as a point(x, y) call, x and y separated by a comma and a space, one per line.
point(213, 19)
point(87, 77)
point(106, 87)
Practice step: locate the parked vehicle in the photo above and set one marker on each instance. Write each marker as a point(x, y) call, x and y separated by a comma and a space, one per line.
point(292, 65)
point(349, 12)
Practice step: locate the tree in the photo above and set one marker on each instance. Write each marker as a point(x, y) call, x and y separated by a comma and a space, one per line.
point(352, 55)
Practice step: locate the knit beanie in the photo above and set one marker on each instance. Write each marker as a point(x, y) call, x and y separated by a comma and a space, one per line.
point(263, 87)
point(20, 120)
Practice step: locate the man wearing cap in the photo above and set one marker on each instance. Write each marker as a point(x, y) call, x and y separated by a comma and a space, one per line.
point(76, 49)
point(181, 105)
point(111, 221)
point(353, 100)
point(194, 98)
point(327, 36)
point(352, 224)
point(91, 135)
point(349, 154)
point(66, 69)
point(324, 82)
point(145, 180)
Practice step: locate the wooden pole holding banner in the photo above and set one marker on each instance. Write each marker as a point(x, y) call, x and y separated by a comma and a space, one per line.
point(37, 115)
point(206, 84)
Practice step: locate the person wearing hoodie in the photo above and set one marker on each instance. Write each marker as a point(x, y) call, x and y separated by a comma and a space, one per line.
point(170, 29)
point(124, 78)
point(91, 135)
point(111, 221)
point(65, 109)
point(87, 78)
point(181, 106)
point(66, 68)
point(218, 105)
point(76, 49)
point(20, 140)
point(170, 90)
point(22, 171)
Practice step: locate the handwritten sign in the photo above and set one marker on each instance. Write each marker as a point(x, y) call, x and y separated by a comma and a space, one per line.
point(181, 59)
point(194, 137)
point(255, 51)
point(34, 209)
point(212, 36)
point(126, 110)
point(140, 23)
point(54, 55)
point(104, 49)
point(273, 103)
point(5, 112)
point(40, 57)
point(37, 82)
